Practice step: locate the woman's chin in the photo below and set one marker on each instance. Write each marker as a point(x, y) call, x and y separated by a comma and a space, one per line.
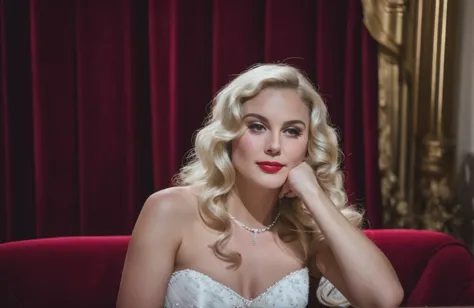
point(262, 180)
point(270, 184)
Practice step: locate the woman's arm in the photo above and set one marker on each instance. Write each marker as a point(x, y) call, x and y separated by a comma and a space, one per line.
point(151, 253)
point(351, 261)
point(347, 258)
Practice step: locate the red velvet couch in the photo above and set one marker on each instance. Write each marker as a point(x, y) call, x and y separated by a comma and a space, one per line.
point(434, 269)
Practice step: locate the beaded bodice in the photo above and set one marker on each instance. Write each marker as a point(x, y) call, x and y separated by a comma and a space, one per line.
point(190, 288)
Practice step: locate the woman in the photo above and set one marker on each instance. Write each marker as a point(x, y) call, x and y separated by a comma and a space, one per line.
point(259, 208)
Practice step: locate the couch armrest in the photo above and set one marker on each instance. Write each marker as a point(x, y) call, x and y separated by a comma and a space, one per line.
point(446, 280)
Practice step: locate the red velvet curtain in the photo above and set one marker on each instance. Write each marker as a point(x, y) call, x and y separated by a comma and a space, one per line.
point(99, 100)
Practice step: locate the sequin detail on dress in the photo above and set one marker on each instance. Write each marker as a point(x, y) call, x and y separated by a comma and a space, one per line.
point(192, 289)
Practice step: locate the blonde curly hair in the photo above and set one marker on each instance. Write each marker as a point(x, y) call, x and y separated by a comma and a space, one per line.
point(210, 165)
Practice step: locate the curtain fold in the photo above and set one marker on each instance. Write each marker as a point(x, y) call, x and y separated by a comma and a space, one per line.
point(100, 101)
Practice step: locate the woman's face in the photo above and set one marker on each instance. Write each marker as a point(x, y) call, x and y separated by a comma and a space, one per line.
point(275, 140)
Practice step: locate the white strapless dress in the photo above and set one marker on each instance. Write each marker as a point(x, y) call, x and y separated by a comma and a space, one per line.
point(192, 289)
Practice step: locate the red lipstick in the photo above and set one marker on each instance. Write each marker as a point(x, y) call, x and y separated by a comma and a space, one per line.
point(270, 166)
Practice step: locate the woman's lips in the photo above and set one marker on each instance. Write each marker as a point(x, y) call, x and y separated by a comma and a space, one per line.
point(270, 168)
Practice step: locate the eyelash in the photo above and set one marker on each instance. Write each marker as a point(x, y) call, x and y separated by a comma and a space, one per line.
point(259, 127)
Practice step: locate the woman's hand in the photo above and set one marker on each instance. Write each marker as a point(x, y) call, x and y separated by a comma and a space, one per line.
point(301, 181)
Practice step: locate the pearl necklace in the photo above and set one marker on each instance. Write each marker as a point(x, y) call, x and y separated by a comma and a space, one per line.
point(255, 231)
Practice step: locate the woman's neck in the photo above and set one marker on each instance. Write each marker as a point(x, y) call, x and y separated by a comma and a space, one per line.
point(252, 205)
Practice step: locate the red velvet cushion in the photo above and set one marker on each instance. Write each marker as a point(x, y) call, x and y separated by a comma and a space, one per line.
point(61, 272)
point(433, 268)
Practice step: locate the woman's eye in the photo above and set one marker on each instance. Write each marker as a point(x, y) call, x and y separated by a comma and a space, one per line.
point(256, 127)
point(294, 132)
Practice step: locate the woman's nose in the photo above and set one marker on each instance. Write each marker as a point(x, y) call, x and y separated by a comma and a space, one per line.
point(273, 146)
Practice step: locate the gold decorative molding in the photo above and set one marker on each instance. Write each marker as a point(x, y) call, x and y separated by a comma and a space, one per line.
point(415, 107)
point(438, 208)
point(383, 20)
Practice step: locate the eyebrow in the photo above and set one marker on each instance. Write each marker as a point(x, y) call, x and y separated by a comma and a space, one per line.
point(263, 119)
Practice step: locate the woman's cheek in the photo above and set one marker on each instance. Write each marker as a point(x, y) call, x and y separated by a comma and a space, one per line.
point(246, 145)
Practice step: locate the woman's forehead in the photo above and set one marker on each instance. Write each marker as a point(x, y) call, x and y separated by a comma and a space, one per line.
point(277, 102)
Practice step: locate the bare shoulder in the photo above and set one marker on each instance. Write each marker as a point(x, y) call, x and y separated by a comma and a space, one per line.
point(166, 211)
point(153, 246)
point(171, 203)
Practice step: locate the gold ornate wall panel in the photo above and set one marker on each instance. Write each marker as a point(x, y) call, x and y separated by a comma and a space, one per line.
point(415, 111)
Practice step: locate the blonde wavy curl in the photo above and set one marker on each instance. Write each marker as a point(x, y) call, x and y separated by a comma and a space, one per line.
point(210, 165)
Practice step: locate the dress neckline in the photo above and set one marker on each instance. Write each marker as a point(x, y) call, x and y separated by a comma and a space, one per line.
point(232, 291)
